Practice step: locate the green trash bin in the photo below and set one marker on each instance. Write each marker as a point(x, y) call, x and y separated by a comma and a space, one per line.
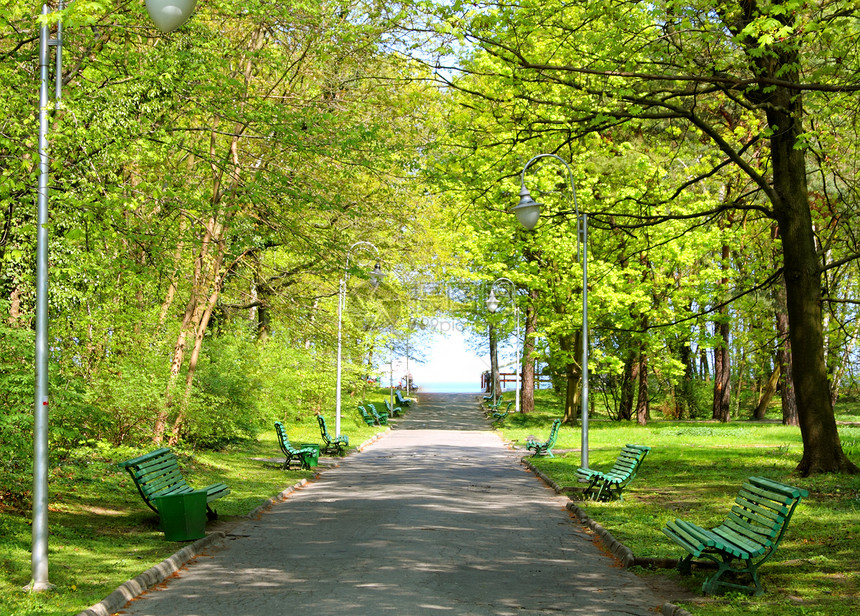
point(183, 516)
point(315, 459)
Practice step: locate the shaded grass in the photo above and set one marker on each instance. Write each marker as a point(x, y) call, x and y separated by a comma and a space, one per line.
point(101, 532)
point(694, 471)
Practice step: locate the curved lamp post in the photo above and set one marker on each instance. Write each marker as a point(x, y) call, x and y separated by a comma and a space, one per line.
point(528, 213)
point(493, 306)
point(376, 276)
point(167, 15)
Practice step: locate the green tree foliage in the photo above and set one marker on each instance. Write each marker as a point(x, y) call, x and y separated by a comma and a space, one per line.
point(733, 107)
point(206, 186)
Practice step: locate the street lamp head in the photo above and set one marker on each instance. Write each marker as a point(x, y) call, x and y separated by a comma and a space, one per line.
point(527, 210)
point(168, 15)
point(492, 302)
point(376, 276)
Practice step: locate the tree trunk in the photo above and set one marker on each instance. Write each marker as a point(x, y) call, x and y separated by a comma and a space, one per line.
point(768, 392)
point(722, 372)
point(822, 450)
point(528, 384)
point(573, 376)
point(643, 405)
point(628, 386)
point(494, 364)
point(722, 361)
point(784, 361)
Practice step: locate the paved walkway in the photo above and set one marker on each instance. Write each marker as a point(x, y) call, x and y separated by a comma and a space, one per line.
point(437, 517)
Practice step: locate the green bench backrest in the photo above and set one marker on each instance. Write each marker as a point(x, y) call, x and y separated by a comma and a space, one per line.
point(761, 512)
point(628, 461)
point(553, 433)
point(155, 474)
point(283, 441)
point(323, 428)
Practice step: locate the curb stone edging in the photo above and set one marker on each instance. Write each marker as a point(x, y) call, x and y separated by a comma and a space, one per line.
point(149, 578)
point(155, 575)
point(670, 609)
point(618, 549)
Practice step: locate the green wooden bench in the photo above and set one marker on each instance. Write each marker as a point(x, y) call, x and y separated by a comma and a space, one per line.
point(544, 448)
point(492, 407)
point(331, 445)
point(746, 539)
point(370, 421)
point(380, 418)
point(304, 455)
point(393, 411)
point(500, 415)
point(157, 474)
point(606, 486)
point(401, 400)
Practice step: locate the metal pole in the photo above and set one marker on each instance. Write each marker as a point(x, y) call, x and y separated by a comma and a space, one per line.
point(391, 380)
point(341, 299)
point(341, 305)
point(581, 238)
point(39, 556)
point(584, 339)
point(517, 352)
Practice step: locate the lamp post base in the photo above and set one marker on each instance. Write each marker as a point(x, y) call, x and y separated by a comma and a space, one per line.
point(34, 586)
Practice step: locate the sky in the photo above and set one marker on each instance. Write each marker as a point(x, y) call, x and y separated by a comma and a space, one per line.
point(450, 365)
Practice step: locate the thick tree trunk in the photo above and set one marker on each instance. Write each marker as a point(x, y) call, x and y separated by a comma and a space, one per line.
point(822, 451)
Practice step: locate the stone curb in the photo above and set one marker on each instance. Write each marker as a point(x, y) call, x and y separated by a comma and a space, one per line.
point(149, 578)
point(618, 549)
point(127, 591)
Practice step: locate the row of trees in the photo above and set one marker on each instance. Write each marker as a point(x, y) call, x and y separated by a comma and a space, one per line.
point(714, 145)
point(206, 188)
point(208, 184)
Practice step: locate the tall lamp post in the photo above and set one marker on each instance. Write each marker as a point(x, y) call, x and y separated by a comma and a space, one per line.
point(528, 212)
point(493, 306)
point(168, 15)
point(375, 277)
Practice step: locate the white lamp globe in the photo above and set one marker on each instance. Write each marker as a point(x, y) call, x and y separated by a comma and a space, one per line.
point(168, 15)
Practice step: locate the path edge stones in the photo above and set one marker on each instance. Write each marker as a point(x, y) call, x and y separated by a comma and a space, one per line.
point(623, 553)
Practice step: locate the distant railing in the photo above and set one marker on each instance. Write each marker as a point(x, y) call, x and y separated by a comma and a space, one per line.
point(511, 377)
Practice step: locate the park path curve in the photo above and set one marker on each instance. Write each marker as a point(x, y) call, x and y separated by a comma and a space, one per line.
point(438, 517)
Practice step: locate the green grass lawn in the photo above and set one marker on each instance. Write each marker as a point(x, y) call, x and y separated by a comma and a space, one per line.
point(101, 532)
point(694, 471)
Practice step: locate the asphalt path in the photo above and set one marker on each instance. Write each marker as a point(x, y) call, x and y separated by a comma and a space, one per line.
point(437, 517)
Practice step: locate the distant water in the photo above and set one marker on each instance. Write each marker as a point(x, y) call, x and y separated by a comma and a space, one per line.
point(449, 388)
point(461, 388)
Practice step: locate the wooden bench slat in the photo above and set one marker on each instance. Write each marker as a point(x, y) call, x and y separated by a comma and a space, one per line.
point(763, 509)
point(750, 516)
point(773, 501)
